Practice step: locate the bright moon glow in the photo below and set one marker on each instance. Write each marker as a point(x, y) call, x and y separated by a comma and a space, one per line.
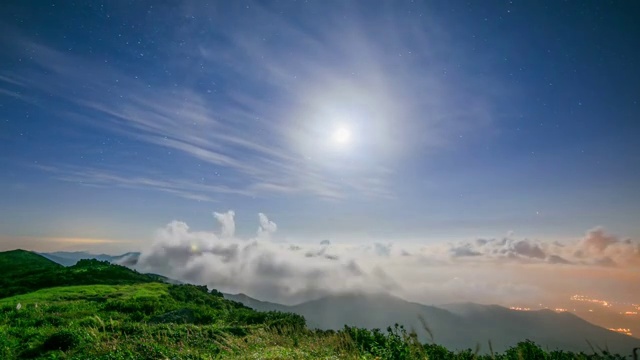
point(342, 135)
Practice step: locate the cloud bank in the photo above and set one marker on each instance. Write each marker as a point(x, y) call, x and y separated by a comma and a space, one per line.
point(503, 271)
point(595, 248)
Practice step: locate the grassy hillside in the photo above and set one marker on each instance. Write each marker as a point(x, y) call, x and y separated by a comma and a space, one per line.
point(135, 317)
point(152, 318)
point(23, 271)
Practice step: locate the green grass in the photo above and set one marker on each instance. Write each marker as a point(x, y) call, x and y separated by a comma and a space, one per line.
point(24, 272)
point(116, 322)
point(89, 321)
point(87, 293)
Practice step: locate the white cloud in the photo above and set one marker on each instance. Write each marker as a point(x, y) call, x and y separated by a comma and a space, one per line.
point(595, 248)
point(502, 271)
point(267, 227)
point(227, 223)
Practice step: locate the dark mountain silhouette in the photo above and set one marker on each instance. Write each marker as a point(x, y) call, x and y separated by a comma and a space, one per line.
point(456, 326)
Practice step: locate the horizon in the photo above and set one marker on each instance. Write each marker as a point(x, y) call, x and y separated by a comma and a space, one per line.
point(483, 152)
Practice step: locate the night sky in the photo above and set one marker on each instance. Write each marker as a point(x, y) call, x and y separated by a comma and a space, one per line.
point(352, 121)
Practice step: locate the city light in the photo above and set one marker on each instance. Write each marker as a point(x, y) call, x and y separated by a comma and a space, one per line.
point(590, 300)
point(622, 331)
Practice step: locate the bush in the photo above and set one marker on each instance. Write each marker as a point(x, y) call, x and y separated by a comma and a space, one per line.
point(282, 320)
point(526, 350)
point(393, 345)
point(62, 340)
point(190, 294)
point(235, 330)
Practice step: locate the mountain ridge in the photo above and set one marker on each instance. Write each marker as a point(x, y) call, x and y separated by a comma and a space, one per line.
point(471, 325)
point(69, 258)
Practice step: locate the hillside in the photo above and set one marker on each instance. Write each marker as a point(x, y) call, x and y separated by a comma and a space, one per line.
point(457, 326)
point(24, 271)
point(141, 318)
point(22, 262)
point(96, 310)
point(555, 330)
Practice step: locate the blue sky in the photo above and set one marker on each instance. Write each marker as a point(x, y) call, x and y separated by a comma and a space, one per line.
point(465, 120)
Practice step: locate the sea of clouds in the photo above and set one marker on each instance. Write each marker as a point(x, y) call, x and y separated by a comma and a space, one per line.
point(503, 271)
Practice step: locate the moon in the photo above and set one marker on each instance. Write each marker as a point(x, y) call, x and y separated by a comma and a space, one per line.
point(341, 136)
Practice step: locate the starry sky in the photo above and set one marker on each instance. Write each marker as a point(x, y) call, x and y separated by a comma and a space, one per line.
point(354, 121)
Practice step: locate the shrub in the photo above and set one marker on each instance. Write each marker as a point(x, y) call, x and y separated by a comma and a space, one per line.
point(62, 340)
point(292, 322)
point(526, 350)
point(190, 293)
point(393, 345)
point(235, 330)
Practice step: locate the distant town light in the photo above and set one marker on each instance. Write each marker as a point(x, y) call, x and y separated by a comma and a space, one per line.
point(622, 331)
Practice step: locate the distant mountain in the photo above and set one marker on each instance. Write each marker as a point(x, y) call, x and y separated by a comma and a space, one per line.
point(257, 304)
point(456, 326)
point(66, 258)
point(562, 330)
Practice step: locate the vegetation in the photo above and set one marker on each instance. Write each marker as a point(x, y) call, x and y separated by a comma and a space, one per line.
point(24, 271)
point(127, 315)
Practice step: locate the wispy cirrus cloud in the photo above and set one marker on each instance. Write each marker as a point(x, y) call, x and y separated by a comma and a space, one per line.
point(262, 107)
point(184, 188)
point(182, 121)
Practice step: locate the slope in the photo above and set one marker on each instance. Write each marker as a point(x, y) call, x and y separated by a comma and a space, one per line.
point(555, 330)
point(25, 271)
point(459, 326)
point(121, 314)
point(22, 271)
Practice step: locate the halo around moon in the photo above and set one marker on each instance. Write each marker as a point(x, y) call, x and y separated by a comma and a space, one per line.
point(341, 136)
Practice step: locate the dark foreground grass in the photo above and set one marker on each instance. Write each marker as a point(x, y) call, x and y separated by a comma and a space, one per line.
point(162, 321)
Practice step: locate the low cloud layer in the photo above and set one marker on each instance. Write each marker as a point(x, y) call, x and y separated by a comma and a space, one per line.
point(503, 271)
point(595, 248)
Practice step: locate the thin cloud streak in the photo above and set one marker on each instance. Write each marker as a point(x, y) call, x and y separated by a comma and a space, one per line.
point(268, 128)
point(181, 187)
point(191, 131)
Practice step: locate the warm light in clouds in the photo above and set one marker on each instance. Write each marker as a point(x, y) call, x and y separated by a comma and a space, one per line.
point(45, 243)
